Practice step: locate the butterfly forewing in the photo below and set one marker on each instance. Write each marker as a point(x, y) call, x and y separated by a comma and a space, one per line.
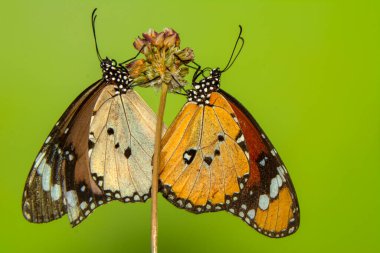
point(43, 199)
point(204, 161)
point(268, 203)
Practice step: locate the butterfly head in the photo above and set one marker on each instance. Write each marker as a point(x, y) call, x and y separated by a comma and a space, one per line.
point(216, 73)
point(107, 63)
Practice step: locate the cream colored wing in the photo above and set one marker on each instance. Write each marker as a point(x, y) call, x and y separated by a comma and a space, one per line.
point(121, 145)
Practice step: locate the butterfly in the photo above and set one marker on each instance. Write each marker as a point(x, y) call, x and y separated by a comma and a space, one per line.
point(99, 150)
point(215, 156)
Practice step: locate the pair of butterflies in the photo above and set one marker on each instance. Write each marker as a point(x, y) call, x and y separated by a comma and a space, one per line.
point(214, 156)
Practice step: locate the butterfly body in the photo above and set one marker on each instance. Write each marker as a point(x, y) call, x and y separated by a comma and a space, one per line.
point(116, 74)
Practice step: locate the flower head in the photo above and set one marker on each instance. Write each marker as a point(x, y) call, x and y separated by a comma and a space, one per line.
point(164, 60)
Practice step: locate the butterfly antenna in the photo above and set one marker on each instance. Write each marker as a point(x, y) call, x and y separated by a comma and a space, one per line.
point(93, 19)
point(134, 57)
point(232, 58)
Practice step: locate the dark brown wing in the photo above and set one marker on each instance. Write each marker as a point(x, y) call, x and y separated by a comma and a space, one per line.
point(59, 181)
point(268, 202)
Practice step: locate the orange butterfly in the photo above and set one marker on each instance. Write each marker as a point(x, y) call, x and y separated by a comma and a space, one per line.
point(215, 157)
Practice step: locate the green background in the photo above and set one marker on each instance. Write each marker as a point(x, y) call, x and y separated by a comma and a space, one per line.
point(309, 73)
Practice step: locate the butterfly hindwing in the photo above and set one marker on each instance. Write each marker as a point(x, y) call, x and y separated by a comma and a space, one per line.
point(204, 162)
point(268, 203)
point(121, 139)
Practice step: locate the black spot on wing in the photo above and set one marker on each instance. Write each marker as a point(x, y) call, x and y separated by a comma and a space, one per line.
point(189, 155)
point(207, 160)
point(110, 131)
point(91, 144)
point(241, 141)
point(127, 152)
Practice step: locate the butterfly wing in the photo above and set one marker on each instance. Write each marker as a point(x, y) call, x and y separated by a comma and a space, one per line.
point(46, 185)
point(66, 174)
point(204, 163)
point(121, 146)
point(268, 203)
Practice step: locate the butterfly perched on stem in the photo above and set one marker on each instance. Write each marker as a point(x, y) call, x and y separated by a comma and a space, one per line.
point(99, 150)
point(215, 156)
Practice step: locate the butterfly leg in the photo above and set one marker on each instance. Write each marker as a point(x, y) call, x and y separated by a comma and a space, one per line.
point(131, 59)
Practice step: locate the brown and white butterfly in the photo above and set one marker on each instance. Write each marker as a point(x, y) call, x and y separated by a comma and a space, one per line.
point(215, 156)
point(99, 150)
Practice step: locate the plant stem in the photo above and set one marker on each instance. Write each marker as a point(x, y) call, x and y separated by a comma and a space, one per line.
point(156, 165)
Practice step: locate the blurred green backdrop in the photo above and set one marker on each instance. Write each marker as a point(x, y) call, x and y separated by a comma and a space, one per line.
point(309, 73)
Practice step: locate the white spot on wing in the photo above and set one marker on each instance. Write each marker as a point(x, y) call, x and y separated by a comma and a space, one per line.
point(262, 162)
point(89, 152)
point(281, 173)
point(263, 201)
point(56, 192)
point(40, 168)
point(279, 180)
point(46, 178)
point(27, 215)
point(251, 214)
point(83, 205)
point(240, 139)
point(273, 188)
point(48, 139)
point(187, 157)
point(39, 159)
point(72, 198)
point(72, 202)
